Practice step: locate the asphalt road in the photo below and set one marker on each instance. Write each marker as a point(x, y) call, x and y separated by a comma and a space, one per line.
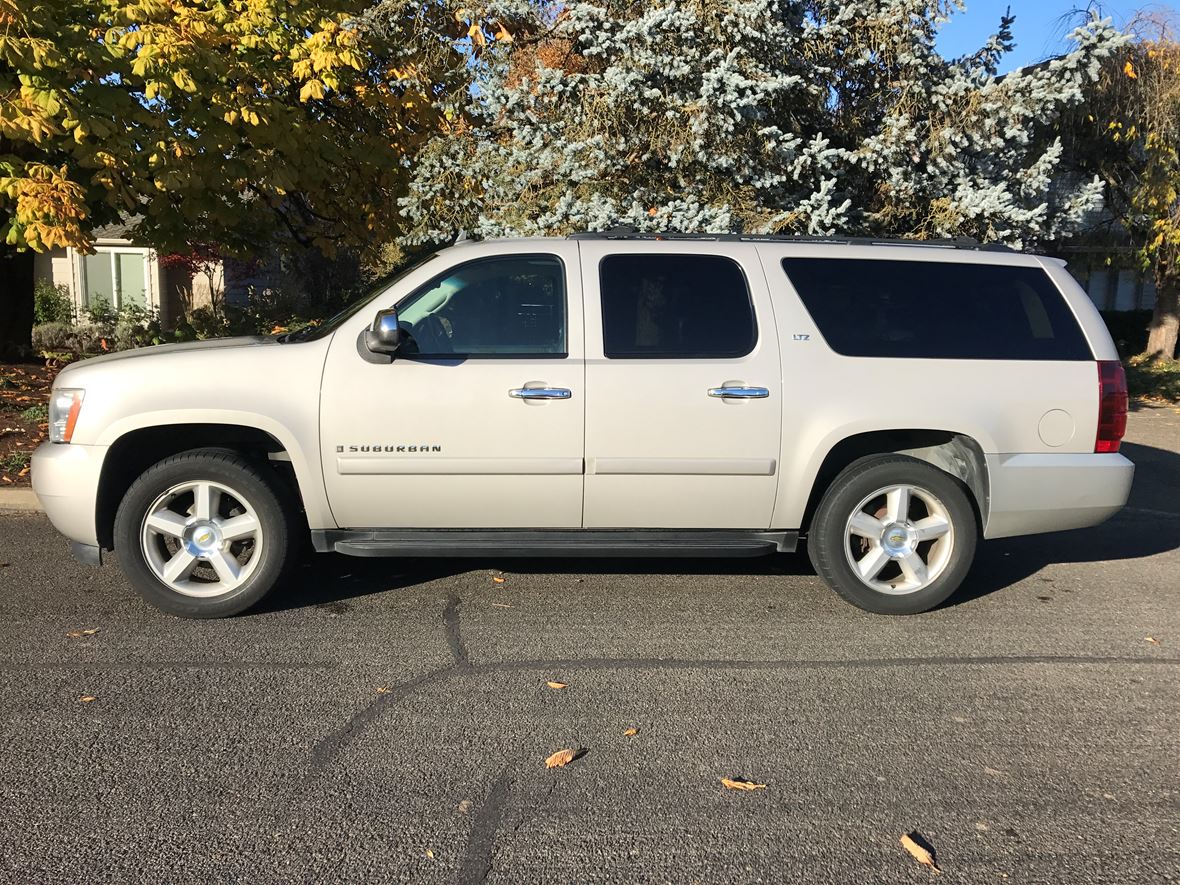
point(388, 721)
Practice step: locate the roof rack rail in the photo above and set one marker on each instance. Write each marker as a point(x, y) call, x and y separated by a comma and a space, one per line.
point(629, 233)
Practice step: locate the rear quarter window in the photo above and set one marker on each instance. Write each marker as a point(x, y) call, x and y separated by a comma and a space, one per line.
point(937, 310)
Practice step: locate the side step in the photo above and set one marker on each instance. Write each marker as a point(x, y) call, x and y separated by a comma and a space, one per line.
point(555, 542)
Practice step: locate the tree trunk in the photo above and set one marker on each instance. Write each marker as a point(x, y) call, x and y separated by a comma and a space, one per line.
point(16, 303)
point(1165, 321)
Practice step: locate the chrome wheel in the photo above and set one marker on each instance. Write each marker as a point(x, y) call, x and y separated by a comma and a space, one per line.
point(899, 539)
point(202, 539)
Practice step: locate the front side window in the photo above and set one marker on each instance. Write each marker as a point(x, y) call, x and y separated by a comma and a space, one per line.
point(664, 306)
point(511, 306)
point(937, 310)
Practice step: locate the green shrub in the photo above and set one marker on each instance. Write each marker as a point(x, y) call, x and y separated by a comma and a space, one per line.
point(64, 338)
point(52, 304)
point(1154, 378)
point(100, 312)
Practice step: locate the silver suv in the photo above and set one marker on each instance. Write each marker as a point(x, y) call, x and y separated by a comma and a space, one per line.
point(617, 395)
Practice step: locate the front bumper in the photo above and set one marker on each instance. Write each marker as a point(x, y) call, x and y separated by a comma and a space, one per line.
point(1030, 494)
point(65, 478)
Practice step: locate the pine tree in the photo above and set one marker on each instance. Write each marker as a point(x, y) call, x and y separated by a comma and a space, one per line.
point(818, 117)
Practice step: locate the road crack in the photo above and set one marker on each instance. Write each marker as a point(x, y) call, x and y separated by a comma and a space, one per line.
point(479, 857)
point(454, 632)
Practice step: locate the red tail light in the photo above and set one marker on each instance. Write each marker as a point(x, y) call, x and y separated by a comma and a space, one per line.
point(1112, 405)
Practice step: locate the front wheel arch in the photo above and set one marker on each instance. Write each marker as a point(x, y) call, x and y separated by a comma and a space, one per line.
point(137, 450)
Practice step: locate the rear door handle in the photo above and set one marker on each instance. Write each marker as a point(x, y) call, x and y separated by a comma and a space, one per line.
point(739, 392)
point(527, 393)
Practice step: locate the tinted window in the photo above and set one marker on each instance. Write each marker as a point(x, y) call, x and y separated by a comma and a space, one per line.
point(675, 306)
point(937, 310)
point(510, 306)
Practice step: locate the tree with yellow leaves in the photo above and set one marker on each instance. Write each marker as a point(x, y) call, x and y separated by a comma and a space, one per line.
point(1129, 134)
point(225, 122)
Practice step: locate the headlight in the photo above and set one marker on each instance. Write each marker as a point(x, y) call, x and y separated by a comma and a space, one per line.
point(64, 406)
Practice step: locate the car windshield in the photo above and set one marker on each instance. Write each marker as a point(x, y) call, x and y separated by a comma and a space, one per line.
point(330, 325)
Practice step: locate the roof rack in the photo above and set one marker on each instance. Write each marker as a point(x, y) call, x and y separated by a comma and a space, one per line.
point(629, 233)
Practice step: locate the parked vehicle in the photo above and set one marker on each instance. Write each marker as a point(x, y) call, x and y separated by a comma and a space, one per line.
point(611, 394)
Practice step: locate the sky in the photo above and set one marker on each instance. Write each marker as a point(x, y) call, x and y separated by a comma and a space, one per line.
point(1039, 31)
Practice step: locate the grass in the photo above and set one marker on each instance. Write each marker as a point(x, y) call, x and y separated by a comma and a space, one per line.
point(15, 462)
point(1153, 379)
point(35, 414)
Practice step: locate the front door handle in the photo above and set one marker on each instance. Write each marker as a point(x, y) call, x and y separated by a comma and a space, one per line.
point(533, 393)
point(735, 391)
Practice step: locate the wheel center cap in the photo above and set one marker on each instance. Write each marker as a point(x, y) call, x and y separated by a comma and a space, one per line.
point(201, 538)
point(898, 539)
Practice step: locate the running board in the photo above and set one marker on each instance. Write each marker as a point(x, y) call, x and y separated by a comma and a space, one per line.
point(553, 542)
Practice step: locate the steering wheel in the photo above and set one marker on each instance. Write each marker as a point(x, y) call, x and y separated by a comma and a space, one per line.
point(432, 336)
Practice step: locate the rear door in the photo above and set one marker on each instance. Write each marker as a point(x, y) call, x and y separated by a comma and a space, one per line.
point(684, 386)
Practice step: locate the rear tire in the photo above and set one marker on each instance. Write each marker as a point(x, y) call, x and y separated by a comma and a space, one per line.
point(205, 534)
point(894, 535)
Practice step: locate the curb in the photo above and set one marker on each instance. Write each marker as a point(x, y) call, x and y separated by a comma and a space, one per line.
point(19, 501)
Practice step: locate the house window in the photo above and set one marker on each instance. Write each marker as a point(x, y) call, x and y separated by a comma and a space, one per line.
point(115, 276)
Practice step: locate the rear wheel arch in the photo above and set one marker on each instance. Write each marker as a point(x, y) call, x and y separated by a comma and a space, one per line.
point(137, 450)
point(957, 454)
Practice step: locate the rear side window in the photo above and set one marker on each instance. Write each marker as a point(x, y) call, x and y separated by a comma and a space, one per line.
point(695, 306)
point(937, 310)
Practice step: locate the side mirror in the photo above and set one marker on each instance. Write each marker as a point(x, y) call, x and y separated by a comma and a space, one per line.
point(385, 335)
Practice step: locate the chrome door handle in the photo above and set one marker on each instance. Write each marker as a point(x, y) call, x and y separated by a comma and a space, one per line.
point(739, 392)
point(540, 393)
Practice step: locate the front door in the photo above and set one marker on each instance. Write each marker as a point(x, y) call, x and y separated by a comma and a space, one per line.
point(478, 422)
point(684, 387)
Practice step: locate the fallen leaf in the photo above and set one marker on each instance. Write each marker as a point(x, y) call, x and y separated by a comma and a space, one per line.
point(464, 806)
point(382, 690)
point(741, 784)
point(429, 853)
point(86, 699)
point(921, 853)
point(75, 634)
point(1151, 639)
point(561, 758)
point(498, 580)
point(630, 732)
point(555, 685)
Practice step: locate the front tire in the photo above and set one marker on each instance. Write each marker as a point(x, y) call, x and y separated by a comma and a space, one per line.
point(894, 535)
point(204, 534)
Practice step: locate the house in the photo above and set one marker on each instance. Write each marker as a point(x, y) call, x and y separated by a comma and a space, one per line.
point(121, 274)
point(1111, 276)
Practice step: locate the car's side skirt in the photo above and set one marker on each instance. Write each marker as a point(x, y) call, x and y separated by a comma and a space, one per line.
point(554, 542)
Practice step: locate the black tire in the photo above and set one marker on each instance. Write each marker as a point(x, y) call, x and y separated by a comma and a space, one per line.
point(256, 484)
point(828, 543)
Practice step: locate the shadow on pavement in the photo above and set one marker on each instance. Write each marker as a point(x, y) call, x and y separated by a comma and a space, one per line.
point(1150, 525)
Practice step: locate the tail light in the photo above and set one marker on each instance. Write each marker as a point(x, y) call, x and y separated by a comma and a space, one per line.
point(1112, 405)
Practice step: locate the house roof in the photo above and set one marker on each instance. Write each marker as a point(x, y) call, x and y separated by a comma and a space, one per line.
point(123, 229)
